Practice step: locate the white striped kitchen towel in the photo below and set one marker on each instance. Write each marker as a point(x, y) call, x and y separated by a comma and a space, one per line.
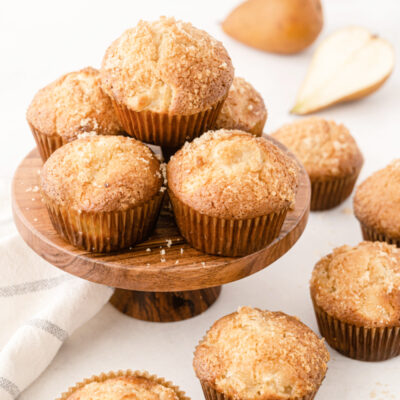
point(40, 307)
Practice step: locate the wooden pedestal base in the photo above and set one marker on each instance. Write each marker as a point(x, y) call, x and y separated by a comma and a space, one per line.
point(164, 306)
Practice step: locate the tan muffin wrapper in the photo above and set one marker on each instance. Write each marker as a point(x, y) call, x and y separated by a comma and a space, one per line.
point(222, 236)
point(105, 231)
point(46, 144)
point(211, 394)
point(165, 129)
point(329, 193)
point(358, 342)
point(373, 235)
point(128, 373)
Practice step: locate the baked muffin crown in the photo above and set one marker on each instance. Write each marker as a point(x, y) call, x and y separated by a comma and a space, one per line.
point(360, 285)
point(73, 104)
point(232, 174)
point(243, 109)
point(377, 200)
point(101, 174)
point(119, 387)
point(325, 148)
point(167, 66)
point(254, 354)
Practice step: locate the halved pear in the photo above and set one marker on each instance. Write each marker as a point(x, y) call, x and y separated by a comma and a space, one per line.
point(349, 64)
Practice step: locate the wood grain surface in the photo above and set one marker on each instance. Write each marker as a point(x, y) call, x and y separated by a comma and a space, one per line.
point(163, 263)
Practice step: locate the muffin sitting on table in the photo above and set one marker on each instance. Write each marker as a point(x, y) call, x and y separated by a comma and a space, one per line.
point(260, 355)
point(377, 205)
point(71, 105)
point(356, 297)
point(330, 156)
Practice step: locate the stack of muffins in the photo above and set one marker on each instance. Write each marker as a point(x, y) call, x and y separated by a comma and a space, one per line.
point(163, 83)
point(170, 84)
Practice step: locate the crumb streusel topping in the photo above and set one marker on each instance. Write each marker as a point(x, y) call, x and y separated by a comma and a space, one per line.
point(233, 174)
point(101, 173)
point(72, 105)
point(257, 355)
point(377, 200)
point(243, 109)
point(360, 284)
point(325, 148)
point(167, 66)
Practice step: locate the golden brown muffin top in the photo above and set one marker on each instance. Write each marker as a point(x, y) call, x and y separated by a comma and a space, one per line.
point(377, 200)
point(360, 285)
point(261, 355)
point(73, 104)
point(124, 388)
point(243, 109)
point(232, 174)
point(167, 66)
point(325, 148)
point(101, 173)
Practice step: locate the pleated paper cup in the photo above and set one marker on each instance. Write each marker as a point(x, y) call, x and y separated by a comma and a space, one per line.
point(358, 342)
point(126, 374)
point(373, 235)
point(211, 394)
point(222, 236)
point(104, 232)
point(329, 193)
point(164, 129)
point(46, 144)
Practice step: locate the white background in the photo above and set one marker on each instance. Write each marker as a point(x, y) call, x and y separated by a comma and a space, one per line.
point(40, 40)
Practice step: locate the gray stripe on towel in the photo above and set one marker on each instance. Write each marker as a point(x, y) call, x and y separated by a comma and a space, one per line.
point(9, 387)
point(49, 327)
point(35, 286)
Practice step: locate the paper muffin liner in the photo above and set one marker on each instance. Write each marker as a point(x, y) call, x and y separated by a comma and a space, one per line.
point(373, 235)
point(211, 394)
point(358, 342)
point(104, 232)
point(329, 193)
point(46, 144)
point(128, 373)
point(223, 236)
point(164, 129)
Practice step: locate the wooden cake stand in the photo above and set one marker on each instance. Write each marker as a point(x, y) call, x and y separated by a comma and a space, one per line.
point(161, 279)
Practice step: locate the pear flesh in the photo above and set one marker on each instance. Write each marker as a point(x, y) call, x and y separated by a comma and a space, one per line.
point(348, 65)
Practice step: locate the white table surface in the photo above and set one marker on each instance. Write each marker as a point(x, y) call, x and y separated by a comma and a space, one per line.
point(40, 40)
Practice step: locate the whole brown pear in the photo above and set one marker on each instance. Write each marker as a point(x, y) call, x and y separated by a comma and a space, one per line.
point(278, 26)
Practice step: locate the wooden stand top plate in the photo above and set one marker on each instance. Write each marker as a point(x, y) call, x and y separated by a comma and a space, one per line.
point(163, 263)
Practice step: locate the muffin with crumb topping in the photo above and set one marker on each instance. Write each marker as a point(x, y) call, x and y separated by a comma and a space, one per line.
point(260, 355)
point(377, 205)
point(124, 385)
point(167, 80)
point(230, 191)
point(103, 193)
point(243, 109)
point(330, 156)
point(72, 105)
point(356, 296)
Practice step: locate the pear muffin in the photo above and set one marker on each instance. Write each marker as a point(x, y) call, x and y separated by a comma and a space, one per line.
point(230, 191)
point(356, 296)
point(73, 104)
point(167, 80)
point(330, 156)
point(103, 193)
point(243, 109)
point(123, 385)
point(377, 205)
point(260, 355)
